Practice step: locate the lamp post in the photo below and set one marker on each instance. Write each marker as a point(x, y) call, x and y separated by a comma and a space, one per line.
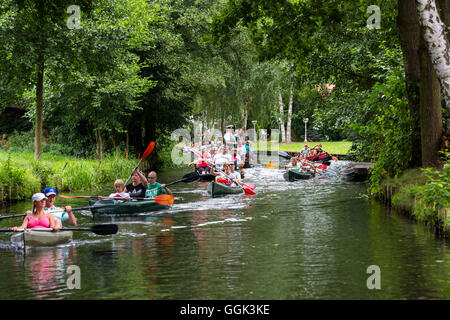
point(254, 128)
point(306, 122)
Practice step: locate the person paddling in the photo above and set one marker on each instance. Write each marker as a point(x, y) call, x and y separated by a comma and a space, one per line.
point(61, 214)
point(139, 184)
point(155, 188)
point(38, 218)
point(292, 164)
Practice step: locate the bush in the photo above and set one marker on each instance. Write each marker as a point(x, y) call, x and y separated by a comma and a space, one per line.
point(21, 182)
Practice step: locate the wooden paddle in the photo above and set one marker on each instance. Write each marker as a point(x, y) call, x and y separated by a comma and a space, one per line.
point(149, 150)
point(100, 229)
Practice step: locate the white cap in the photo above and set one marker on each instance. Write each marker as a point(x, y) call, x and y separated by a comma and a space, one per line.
point(38, 197)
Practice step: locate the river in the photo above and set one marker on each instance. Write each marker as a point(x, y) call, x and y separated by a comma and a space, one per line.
point(309, 239)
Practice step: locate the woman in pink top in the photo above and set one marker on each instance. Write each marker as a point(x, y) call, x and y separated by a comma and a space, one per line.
point(38, 218)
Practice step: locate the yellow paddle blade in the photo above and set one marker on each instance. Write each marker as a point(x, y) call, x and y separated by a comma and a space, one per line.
point(271, 165)
point(165, 199)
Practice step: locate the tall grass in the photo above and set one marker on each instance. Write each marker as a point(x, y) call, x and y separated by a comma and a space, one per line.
point(19, 171)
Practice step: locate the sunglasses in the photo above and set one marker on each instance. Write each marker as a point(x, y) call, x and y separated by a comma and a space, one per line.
point(151, 178)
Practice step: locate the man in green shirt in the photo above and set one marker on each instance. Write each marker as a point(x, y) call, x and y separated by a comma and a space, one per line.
point(155, 188)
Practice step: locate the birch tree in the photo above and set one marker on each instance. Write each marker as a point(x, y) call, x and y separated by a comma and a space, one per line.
point(437, 43)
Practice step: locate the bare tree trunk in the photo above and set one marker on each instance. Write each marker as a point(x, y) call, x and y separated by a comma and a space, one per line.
point(289, 119)
point(244, 121)
point(280, 103)
point(409, 35)
point(127, 143)
point(39, 108)
point(99, 139)
point(430, 111)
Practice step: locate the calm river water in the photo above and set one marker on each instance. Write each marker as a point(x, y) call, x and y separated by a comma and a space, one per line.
point(309, 239)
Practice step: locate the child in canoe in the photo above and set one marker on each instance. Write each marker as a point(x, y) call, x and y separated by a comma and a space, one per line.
point(38, 218)
point(119, 186)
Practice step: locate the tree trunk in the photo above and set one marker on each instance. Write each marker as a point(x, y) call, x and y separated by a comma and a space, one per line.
point(409, 36)
point(437, 43)
point(430, 111)
point(280, 103)
point(289, 119)
point(444, 6)
point(39, 107)
point(244, 121)
point(99, 140)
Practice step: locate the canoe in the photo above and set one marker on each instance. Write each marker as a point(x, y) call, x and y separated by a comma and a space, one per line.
point(40, 238)
point(219, 189)
point(292, 175)
point(119, 207)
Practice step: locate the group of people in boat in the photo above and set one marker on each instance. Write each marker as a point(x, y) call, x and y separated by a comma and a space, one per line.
point(44, 214)
point(225, 161)
point(304, 160)
point(313, 153)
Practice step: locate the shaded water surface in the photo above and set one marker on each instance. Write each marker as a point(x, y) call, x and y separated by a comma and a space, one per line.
point(310, 239)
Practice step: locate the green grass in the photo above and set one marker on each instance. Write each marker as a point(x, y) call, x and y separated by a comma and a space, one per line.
point(66, 173)
point(333, 147)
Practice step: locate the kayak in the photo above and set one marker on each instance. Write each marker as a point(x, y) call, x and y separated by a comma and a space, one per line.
point(292, 175)
point(206, 177)
point(119, 207)
point(221, 189)
point(40, 238)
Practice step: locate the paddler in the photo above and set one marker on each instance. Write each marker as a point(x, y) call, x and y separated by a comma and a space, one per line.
point(292, 164)
point(61, 214)
point(138, 187)
point(38, 218)
point(155, 188)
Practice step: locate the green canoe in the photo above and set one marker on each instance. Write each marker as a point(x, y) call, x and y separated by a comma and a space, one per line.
point(292, 175)
point(219, 189)
point(119, 207)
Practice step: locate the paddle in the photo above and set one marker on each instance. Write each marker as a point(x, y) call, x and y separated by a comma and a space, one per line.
point(100, 229)
point(190, 177)
point(284, 155)
point(149, 150)
point(12, 216)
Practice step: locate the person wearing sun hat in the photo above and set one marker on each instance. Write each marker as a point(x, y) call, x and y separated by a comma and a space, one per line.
point(38, 218)
point(61, 214)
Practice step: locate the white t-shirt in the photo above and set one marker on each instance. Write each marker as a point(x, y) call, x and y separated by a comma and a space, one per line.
point(58, 213)
point(119, 195)
point(220, 159)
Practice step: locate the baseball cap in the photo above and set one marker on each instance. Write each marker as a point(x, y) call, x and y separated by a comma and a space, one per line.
point(49, 191)
point(38, 197)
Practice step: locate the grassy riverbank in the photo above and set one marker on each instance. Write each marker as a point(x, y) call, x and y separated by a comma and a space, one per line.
point(333, 147)
point(424, 194)
point(21, 175)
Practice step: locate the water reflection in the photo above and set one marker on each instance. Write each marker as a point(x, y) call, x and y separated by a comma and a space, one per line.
point(310, 239)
